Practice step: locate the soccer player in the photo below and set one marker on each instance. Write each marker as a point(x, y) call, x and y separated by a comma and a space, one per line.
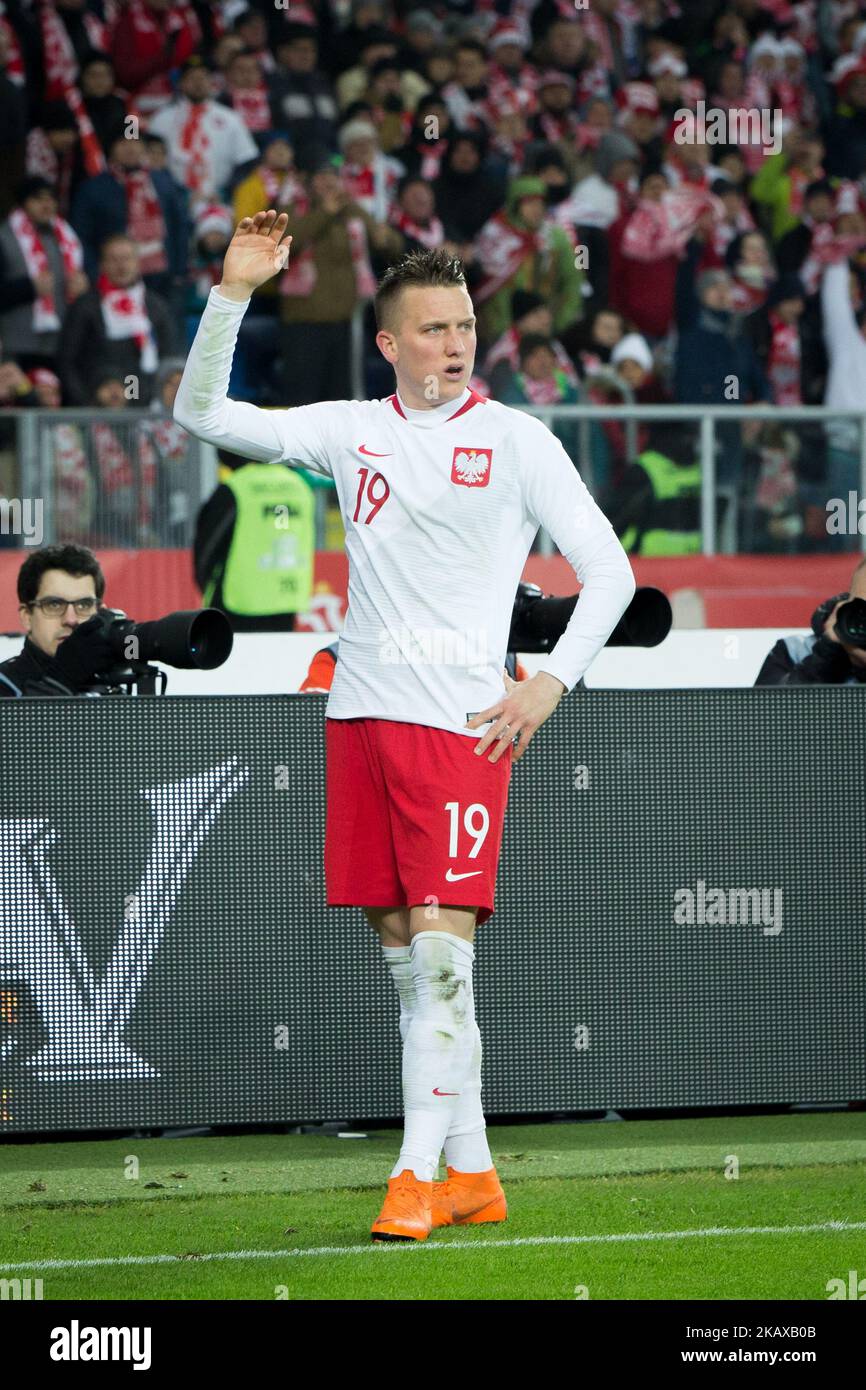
point(442, 493)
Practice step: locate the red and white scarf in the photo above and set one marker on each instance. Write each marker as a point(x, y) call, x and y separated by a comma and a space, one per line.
point(145, 222)
point(124, 314)
point(545, 392)
point(430, 236)
point(116, 471)
point(783, 367)
point(777, 481)
point(657, 230)
point(501, 249)
point(507, 349)
point(195, 143)
point(14, 61)
point(61, 64)
point(45, 316)
point(747, 296)
point(281, 190)
point(252, 105)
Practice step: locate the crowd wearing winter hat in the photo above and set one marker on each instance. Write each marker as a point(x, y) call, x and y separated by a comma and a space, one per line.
point(664, 193)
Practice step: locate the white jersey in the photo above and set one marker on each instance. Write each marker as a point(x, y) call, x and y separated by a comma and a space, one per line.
point(440, 507)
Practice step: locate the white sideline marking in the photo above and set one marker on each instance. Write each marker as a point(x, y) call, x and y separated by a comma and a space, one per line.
point(118, 1260)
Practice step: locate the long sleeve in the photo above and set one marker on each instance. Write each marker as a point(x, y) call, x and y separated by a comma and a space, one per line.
point(202, 406)
point(841, 333)
point(558, 499)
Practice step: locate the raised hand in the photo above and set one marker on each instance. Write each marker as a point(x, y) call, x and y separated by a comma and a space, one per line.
point(255, 253)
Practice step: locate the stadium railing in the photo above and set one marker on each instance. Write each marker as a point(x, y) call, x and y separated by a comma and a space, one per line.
point(132, 478)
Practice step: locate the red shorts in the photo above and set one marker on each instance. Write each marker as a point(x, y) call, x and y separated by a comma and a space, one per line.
point(414, 816)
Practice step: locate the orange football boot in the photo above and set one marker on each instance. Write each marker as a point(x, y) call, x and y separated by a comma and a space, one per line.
point(468, 1199)
point(407, 1212)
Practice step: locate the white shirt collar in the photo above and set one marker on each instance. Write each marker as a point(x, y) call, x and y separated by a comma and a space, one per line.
point(435, 415)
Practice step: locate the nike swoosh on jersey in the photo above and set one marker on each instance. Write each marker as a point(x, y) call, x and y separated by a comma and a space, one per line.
point(369, 452)
point(452, 877)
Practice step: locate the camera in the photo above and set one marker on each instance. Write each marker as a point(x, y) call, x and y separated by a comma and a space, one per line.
point(851, 623)
point(195, 639)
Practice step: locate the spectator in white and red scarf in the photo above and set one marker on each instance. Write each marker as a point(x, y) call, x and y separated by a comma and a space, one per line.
point(329, 277)
point(667, 73)
point(150, 38)
point(639, 117)
point(530, 313)
point(510, 135)
point(468, 94)
point(41, 273)
point(429, 138)
point(735, 220)
point(209, 146)
point(246, 92)
point(752, 270)
point(793, 251)
point(509, 70)
point(145, 204)
point(565, 46)
point(556, 121)
point(369, 177)
point(414, 214)
point(780, 334)
point(56, 38)
point(118, 324)
point(52, 148)
point(645, 248)
point(105, 107)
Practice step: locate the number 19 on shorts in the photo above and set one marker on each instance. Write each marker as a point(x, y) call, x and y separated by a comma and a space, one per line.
point(470, 824)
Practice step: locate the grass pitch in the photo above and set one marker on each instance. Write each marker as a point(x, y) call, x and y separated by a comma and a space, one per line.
point(633, 1210)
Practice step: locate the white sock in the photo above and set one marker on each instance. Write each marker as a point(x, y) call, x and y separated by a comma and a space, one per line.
point(466, 1147)
point(399, 962)
point(437, 1049)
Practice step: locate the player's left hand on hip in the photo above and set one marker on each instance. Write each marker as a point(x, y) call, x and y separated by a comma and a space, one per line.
point(520, 713)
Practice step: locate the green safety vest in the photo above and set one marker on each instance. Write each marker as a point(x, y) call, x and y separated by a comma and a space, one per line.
point(269, 567)
point(671, 482)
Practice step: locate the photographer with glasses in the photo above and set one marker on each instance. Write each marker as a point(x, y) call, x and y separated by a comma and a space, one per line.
point(60, 592)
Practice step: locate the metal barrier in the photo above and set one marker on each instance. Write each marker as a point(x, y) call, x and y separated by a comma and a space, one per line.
point(843, 432)
point(133, 478)
point(107, 478)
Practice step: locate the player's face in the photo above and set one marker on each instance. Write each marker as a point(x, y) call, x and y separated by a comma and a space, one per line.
point(432, 350)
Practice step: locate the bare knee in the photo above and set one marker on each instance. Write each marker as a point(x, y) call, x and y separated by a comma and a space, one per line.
point(460, 921)
point(392, 924)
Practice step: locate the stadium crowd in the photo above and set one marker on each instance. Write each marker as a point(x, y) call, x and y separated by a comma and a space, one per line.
point(654, 202)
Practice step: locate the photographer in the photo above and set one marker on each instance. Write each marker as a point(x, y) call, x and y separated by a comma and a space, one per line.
point(823, 658)
point(60, 592)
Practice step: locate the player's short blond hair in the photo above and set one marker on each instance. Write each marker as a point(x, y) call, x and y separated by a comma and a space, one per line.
point(436, 269)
